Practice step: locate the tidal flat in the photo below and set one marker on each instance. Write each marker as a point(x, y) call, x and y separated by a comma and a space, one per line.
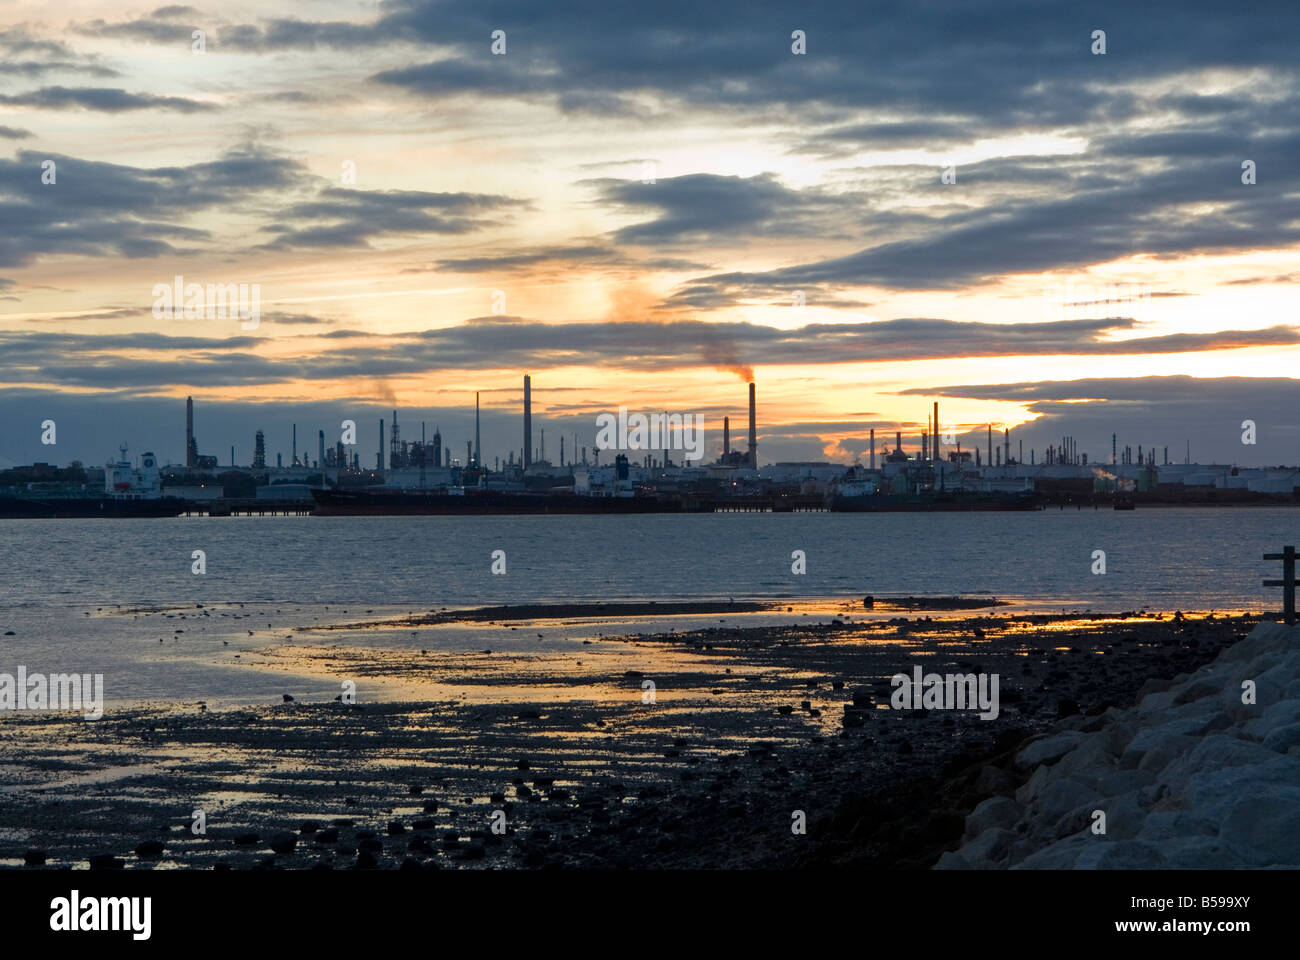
point(692, 747)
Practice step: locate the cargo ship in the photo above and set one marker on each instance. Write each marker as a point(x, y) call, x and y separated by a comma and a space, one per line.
point(129, 491)
point(863, 498)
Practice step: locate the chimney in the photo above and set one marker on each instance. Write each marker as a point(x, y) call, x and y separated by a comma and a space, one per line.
point(726, 435)
point(380, 463)
point(753, 430)
point(294, 461)
point(989, 461)
point(898, 441)
point(873, 448)
point(321, 464)
point(189, 431)
point(936, 430)
point(478, 450)
point(528, 420)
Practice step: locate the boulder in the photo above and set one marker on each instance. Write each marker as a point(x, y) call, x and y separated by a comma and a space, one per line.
point(1048, 749)
point(992, 813)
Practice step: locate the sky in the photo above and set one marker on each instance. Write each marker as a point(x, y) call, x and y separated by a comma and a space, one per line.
point(864, 208)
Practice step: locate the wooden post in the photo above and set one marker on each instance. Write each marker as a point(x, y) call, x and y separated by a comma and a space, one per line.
point(1287, 583)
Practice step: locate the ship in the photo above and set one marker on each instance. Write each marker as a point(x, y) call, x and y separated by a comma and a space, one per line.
point(129, 491)
point(366, 502)
point(864, 498)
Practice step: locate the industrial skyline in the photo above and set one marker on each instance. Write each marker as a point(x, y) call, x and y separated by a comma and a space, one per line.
point(975, 445)
point(650, 230)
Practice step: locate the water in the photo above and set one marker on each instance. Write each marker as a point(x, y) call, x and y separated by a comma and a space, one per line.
point(61, 580)
point(1159, 558)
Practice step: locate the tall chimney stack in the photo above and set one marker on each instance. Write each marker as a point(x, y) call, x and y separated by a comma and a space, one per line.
point(189, 432)
point(726, 435)
point(873, 448)
point(322, 457)
point(936, 430)
point(478, 450)
point(528, 421)
point(753, 430)
point(379, 465)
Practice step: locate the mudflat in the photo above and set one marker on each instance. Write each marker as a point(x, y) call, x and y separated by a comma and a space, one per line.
point(693, 748)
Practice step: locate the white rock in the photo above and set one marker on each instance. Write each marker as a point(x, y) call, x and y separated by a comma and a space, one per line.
point(991, 813)
point(1049, 749)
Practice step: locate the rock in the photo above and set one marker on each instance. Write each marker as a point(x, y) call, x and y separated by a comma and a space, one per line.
point(990, 847)
point(149, 850)
point(1060, 855)
point(1120, 855)
point(1062, 797)
point(1265, 829)
point(106, 861)
point(328, 835)
point(284, 843)
point(992, 813)
point(245, 839)
point(367, 860)
point(1189, 778)
point(35, 857)
point(994, 780)
point(1048, 749)
point(396, 828)
point(1164, 749)
point(1282, 739)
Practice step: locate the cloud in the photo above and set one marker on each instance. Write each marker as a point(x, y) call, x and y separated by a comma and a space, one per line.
point(108, 209)
point(339, 217)
point(105, 99)
point(706, 208)
point(66, 360)
point(14, 133)
point(1177, 412)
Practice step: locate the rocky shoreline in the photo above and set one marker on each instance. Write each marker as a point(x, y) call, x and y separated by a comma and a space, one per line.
point(751, 727)
point(1203, 773)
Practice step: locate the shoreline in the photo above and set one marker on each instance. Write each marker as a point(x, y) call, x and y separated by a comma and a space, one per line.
point(747, 724)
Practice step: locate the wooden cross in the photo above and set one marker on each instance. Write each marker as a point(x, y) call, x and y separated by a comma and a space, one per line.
point(1287, 583)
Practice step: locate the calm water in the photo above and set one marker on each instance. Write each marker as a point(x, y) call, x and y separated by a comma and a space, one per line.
point(1156, 558)
point(60, 580)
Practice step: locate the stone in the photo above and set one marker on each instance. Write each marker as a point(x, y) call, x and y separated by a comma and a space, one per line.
point(149, 850)
point(1048, 749)
point(993, 813)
